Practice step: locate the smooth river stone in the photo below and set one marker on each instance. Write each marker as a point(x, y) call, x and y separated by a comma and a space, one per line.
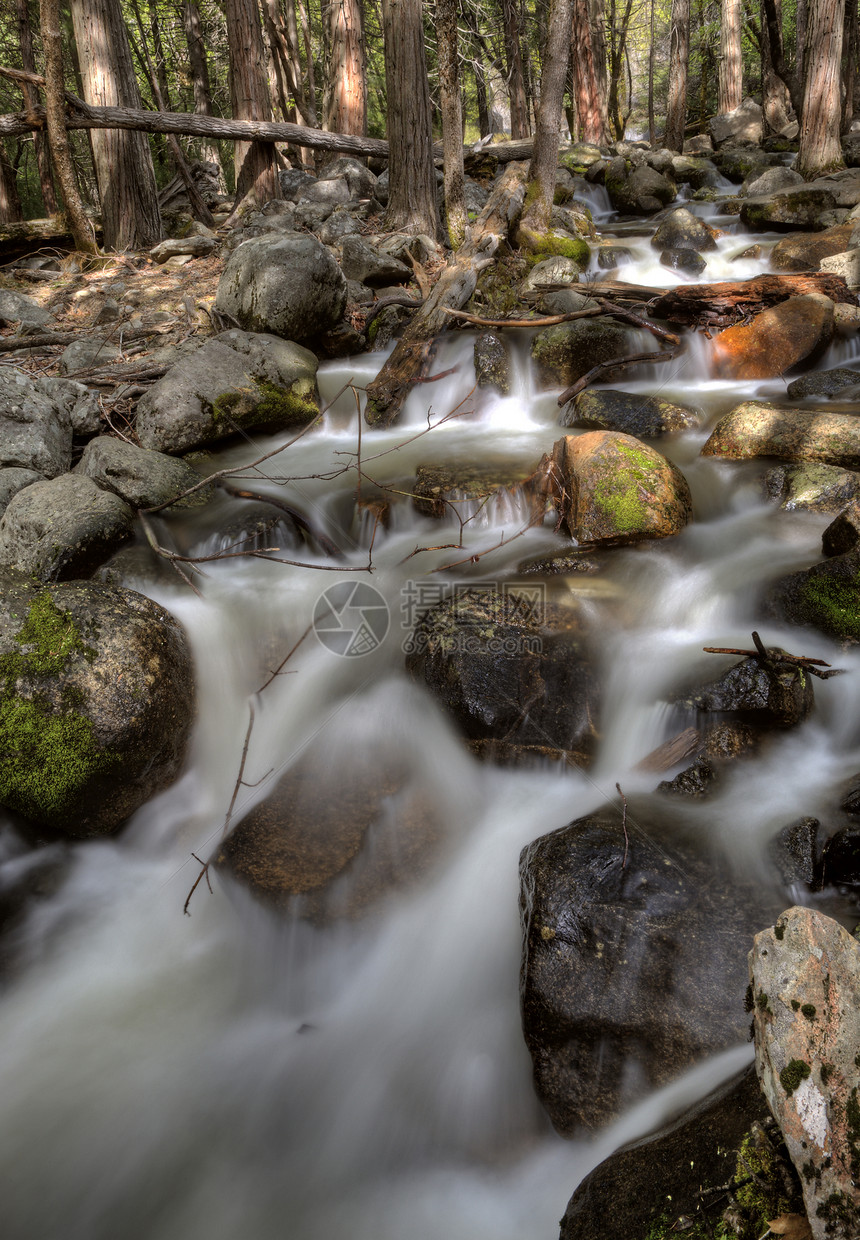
point(756, 428)
point(775, 340)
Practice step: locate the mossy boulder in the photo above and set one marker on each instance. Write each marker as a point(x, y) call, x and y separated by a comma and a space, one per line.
point(796, 330)
point(566, 352)
point(611, 488)
point(555, 242)
point(796, 207)
point(681, 230)
point(510, 667)
point(804, 251)
point(758, 428)
point(812, 487)
point(96, 702)
point(237, 381)
point(645, 417)
point(637, 189)
point(739, 163)
point(824, 597)
point(579, 157)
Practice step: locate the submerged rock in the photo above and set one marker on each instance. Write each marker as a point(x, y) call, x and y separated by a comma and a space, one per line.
point(566, 352)
point(645, 417)
point(775, 340)
point(757, 428)
point(769, 693)
point(843, 533)
point(805, 978)
point(609, 924)
point(812, 487)
point(96, 702)
point(825, 597)
point(493, 362)
point(683, 260)
point(823, 383)
point(611, 488)
point(681, 230)
point(467, 490)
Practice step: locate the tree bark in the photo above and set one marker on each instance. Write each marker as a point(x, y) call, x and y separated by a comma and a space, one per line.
point(413, 354)
point(679, 55)
point(544, 162)
point(10, 200)
point(516, 80)
point(731, 61)
point(617, 61)
point(850, 61)
point(412, 180)
point(345, 106)
point(588, 54)
point(820, 149)
point(28, 61)
point(652, 131)
point(256, 162)
point(58, 138)
point(123, 161)
point(200, 79)
point(456, 219)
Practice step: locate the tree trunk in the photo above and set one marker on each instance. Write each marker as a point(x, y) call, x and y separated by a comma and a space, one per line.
point(801, 18)
point(456, 218)
point(617, 62)
point(731, 61)
point(544, 162)
point(773, 63)
point(345, 106)
point(58, 138)
point(652, 132)
point(412, 180)
point(31, 100)
point(123, 161)
point(820, 149)
point(679, 55)
point(200, 79)
point(516, 80)
point(850, 61)
point(588, 54)
point(256, 163)
point(10, 200)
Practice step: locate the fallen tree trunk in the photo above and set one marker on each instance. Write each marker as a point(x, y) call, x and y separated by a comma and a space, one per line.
point(410, 361)
point(719, 305)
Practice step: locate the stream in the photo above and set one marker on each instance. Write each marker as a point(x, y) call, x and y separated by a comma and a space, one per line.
point(232, 1072)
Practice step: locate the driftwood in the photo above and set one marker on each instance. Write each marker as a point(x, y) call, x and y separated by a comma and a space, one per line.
point(720, 305)
point(671, 752)
point(775, 655)
point(414, 352)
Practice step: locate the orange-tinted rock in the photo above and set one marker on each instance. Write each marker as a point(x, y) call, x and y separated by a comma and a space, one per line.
point(803, 251)
point(611, 488)
point(775, 340)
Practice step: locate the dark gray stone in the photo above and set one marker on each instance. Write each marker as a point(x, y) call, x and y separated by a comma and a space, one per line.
point(647, 417)
point(139, 476)
point(370, 266)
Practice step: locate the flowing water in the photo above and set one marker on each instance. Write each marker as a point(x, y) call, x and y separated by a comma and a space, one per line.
point(235, 1073)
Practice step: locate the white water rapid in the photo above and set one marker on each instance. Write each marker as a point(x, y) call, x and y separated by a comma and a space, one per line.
point(236, 1074)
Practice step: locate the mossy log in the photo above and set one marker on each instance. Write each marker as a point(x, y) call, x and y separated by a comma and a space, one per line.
point(411, 359)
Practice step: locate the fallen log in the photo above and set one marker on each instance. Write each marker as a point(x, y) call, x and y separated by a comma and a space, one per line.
point(413, 354)
point(719, 305)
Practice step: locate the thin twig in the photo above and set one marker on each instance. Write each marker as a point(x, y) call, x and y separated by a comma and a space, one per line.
point(624, 826)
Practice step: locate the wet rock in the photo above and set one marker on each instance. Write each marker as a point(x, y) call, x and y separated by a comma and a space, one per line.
point(555, 270)
point(825, 597)
point(756, 428)
point(470, 490)
point(493, 362)
point(289, 286)
point(722, 744)
point(683, 260)
point(805, 977)
point(664, 1179)
point(843, 533)
point(789, 209)
point(823, 383)
point(804, 251)
point(602, 938)
point(611, 256)
point(566, 352)
point(795, 330)
point(812, 487)
point(772, 180)
point(745, 123)
point(332, 837)
point(96, 705)
point(794, 850)
point(646, 417)
point(238, 380)
point(62, 528)
point(768, 693)
point(611, 488)
point(637, 190)
point(560, 565)
point(370, 266)
point(684, 231)
point(141, 477)
point(509, 667)
point(840, 859)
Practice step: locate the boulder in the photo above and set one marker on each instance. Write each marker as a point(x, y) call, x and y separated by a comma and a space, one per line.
point(663, 1180)
point(609, 923)
point(493, 362)
point(331, 192)
point(96, 705)
point(721, 745)
point(683, 260)
point(141, 477)
point(846, 264)
point(804, 251)
point(823, 382)
point(796, 207)
point(288, 286)
point(196, 247)
point(370, 266)
point(555, 270)
point(238, 380)
point(16, 308)
point(611, 488)
point(697, 173)
point(478, 491)
point(757, 428)
point(843, 533)
point(825, 597)
point(361, 181)
point(812, 487)
point(684, 231)
point(764, 692)
point(14, 480)
point(805, 979)
point(566, 352)
point(62, 528)
point(507, 667)
point(294, 182)
point(645, 417)
point(844, 185)
point(35, 428)
point(772, 181)
point(776, 339)
point(840, 859)
point(88, 353)
point(635, 190)
point(744, 124)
